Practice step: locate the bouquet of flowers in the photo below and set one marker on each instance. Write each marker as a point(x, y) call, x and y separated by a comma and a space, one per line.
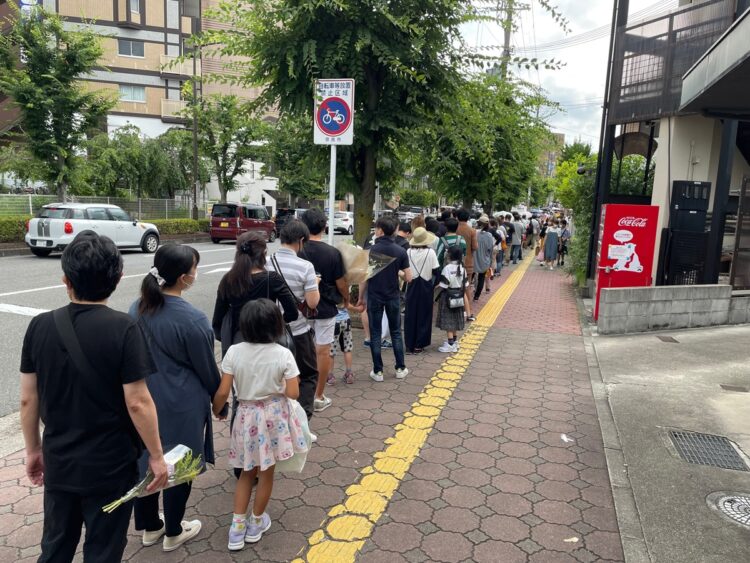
point(181, 466)
point(360, 265)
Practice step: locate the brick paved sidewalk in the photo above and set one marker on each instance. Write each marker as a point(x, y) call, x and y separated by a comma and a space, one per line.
point(494, 482)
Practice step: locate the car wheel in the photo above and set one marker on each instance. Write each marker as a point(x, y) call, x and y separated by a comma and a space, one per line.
point(150, 243)
point(216, 240)
point(350, 230)
point(41, 252)
point(272, 236)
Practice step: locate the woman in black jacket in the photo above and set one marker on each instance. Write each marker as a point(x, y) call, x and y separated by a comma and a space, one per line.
point(246, 281)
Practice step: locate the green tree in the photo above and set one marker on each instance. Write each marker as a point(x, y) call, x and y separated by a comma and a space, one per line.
point(576, 149)
point(290, 156)
point(404, 57)
point(422, 198)
point(485, 147)
point(41, 67)
point(177, 146)
point(230, 134)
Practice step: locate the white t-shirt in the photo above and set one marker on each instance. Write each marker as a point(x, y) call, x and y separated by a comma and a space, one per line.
point(450, 276)
point(423, 261)
point(259, 370)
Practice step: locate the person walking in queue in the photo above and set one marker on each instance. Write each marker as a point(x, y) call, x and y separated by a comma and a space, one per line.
point(83, 373)
point(498, 232)
point(564, 239)
point(518, 230)
point(182, 345)
point(266, 431)
point(551, 243)
point(299, 277)
point(483, 254)
point(450, 317)
point(535, 228)
point(329, 264)
point(472, 244)
point(419, 292)
point(381, 293)
point(509, 231)
point(343, 340)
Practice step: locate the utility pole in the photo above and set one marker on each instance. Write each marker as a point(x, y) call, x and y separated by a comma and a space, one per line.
point(196, 179)
point(507, 31)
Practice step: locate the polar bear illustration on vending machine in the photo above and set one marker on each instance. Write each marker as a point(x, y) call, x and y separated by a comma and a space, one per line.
point(628, 260)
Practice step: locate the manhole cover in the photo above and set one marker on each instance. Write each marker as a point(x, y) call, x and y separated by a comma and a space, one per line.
point(734, 388)
point(732, 506)
point(669, 339)
point(707, 449)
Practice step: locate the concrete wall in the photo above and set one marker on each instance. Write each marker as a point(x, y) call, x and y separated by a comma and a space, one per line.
point(641, 309)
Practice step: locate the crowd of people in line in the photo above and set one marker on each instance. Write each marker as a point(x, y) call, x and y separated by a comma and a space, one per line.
point(115, 390)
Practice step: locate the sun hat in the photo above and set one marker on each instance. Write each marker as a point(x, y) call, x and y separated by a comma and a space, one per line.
point(483, 218)
point(421, 237)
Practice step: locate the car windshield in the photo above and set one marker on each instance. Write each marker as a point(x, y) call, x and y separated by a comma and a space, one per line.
point(284, 212)
point(52, 213)
point(224, 211)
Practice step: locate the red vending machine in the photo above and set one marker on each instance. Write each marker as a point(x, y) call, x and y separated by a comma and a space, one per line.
point(627, 240)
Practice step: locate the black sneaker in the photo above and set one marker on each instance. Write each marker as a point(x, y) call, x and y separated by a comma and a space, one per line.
point(471, 318)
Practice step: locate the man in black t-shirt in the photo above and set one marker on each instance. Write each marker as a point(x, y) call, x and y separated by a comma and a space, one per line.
point(381, 293)
point(329, 265)
point(95, 407)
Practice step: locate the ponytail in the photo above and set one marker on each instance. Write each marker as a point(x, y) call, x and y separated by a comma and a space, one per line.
point(171, 262)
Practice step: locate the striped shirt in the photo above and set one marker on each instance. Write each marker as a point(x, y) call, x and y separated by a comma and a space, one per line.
point(299, 274)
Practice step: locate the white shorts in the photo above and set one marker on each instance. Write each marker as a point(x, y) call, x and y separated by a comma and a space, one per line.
point(325, 331)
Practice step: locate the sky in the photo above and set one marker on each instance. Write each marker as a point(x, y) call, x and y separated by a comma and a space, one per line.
point(579, 85)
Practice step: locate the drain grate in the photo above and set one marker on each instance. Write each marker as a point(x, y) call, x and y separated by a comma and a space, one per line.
point(707, 449)
point(734, 388)
point(733, 506)
point(669, 339)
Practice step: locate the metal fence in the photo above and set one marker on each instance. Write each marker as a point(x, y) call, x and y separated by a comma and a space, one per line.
point(655, 54)
point(144, 209)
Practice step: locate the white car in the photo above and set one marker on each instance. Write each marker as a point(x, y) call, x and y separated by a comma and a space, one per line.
point(343, 222)
point(57, 224)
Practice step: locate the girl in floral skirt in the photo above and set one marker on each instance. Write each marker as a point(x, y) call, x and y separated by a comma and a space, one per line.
point(265, 429)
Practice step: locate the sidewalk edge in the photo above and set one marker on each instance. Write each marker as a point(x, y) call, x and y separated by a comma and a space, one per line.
point(634, 544)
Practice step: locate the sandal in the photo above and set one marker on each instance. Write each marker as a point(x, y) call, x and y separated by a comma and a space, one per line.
point(348, 377)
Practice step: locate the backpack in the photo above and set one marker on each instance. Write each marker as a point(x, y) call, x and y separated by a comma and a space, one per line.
point(530, 229)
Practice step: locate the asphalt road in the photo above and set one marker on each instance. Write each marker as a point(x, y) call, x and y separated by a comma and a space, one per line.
point(30, 285)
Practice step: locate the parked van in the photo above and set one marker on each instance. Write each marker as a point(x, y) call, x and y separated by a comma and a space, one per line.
point(230, 220)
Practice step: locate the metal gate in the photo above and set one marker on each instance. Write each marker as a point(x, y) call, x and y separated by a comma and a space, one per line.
point(739, 274)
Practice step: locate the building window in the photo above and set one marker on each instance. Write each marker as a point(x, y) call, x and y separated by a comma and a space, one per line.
point(135, 6)
point(130, 48)
point(129, 93)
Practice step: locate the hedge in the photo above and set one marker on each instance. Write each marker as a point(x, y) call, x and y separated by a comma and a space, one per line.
point(13, 228)
point(176, 226)
point(204, 225)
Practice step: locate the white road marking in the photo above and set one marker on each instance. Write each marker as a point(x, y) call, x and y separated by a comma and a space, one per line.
point(219, 271)
point(8, 294)
point(18, 310)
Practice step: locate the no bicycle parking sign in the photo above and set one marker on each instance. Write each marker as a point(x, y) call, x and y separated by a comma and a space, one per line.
point(334, 114)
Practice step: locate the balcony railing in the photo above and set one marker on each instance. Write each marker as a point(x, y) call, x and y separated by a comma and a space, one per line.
point(171, 110)
point(172, 66)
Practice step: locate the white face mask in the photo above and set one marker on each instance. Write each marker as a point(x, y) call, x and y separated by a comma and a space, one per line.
point(195, 279)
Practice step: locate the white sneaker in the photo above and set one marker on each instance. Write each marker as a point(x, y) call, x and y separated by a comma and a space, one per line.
point(455, 346)
point(401, 373)
point(320, 405)
point(189, 531)
point(376, 376)
point(447, 348)
point(313, 438)
point(150, 538)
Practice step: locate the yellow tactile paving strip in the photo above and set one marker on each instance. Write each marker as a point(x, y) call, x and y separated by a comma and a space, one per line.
point(348, 525)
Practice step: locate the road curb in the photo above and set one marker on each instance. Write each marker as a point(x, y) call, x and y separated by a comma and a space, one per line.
point(634, 545)
point(177, 239)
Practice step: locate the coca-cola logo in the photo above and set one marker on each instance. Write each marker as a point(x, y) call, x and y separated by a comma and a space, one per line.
point(632, 222)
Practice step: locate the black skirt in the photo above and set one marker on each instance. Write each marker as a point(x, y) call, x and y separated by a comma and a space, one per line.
point(418, 317)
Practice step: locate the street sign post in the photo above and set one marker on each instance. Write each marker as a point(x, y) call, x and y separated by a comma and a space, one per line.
point(334, 125)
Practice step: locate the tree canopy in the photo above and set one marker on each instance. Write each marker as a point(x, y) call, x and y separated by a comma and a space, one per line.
point(41, 67)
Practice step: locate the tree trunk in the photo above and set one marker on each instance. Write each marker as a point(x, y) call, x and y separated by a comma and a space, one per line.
point(62, 190)
point(365, 200)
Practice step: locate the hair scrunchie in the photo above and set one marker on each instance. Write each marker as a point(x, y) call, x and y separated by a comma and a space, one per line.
point(246, 247)
point(155, 272)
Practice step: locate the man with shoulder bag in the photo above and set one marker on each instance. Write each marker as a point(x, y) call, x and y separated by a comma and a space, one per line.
point(299, 275)
point(83, 370)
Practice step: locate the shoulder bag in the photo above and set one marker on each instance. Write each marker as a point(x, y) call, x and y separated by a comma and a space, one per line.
point(287, 338)
point(305, 311)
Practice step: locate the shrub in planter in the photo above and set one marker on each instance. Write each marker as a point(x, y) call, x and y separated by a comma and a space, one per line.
point(13, 228)
point(204, 225)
